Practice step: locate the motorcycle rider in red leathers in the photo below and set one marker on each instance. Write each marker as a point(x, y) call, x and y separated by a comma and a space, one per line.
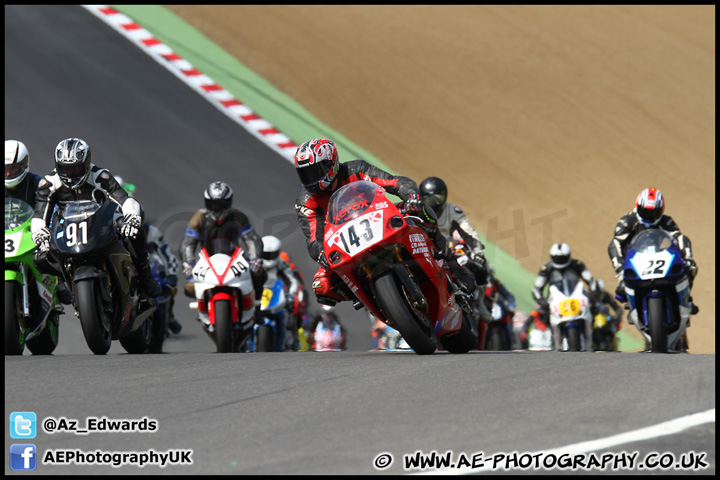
point(321, 174)
point(649, 212)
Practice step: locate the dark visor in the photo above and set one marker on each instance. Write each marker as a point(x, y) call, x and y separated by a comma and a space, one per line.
point(71, 170)
point(270, 255)
point(313, 173)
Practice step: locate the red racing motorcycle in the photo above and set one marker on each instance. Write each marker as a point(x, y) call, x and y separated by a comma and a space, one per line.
point(392, 266)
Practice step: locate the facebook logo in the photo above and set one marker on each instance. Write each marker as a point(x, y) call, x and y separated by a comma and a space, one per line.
point(23, 425)
point(23, 456)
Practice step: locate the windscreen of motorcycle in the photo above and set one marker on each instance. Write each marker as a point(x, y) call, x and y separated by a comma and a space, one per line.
point(17, 212)
point(355, 217)
point(350, 201)
point(652, 241)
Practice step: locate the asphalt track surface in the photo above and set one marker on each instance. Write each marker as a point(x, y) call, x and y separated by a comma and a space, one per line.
point(68, 74)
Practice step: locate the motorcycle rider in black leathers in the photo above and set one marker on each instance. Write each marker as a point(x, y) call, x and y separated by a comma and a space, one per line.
point(219, 227)
point(75, 177)
point(455, 227)
point(648, 213)
point(552, 272)
point(321, 174)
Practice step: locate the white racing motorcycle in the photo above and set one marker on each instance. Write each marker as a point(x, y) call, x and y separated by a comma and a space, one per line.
point(225, 297)
point(570, 316)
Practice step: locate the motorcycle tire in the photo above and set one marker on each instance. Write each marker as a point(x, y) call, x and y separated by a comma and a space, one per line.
point(13, 309)
point(45, 343)
point(139, 340)
point(264, 341)
point(497, 338)
point(465, 340)
point(656, 323)
point(89, 304)
point(223, 326)
point(573, 339)
point(417, 332)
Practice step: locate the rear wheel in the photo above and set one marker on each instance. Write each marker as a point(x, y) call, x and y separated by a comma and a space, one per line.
point(417, 332)
point(464, 340)
point(656, 321)
point(223, 326)
point(95, 324)
point(45, 343)
point(13, 312)
point(264, 341)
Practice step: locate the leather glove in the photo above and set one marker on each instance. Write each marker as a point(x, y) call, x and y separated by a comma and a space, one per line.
point(187, 269)
point(256, 265)
point(690, 267)
point(42, 239)
point(323, 261)
point(131, 225)
point(413, 205)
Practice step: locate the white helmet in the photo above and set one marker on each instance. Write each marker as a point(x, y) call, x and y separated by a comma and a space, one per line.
point(271, 251)
point(17, 163)
point(560, 255)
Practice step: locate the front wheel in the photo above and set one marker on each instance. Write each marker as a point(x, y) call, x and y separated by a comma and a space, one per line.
point(223, 326)
point(95, 324)
point(497, 337)
point(656, 322)
point(417, 332)
point(14, 345)
point(573, 339)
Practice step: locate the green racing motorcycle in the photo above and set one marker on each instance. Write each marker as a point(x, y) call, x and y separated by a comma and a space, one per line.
point(32, 308)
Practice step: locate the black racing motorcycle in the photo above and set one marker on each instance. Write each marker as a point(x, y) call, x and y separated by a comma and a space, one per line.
point(95, 261)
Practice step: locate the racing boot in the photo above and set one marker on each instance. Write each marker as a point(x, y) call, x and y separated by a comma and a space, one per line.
point(463, 278)
point(147, 281)
point(328, 292)
point(693, 308)
point(63, 293)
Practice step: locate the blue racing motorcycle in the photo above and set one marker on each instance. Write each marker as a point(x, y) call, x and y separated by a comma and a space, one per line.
point(658, 290)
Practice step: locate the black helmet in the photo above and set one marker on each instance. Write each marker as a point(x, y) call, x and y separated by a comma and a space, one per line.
point(433, 192)
point(218, 200)
point(72, 162)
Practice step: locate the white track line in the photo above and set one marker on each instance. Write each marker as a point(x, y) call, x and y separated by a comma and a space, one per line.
point(666, 428)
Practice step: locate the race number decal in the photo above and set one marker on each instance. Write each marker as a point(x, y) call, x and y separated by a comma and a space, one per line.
point(12, 243)
point(361, 233)
point(652, 265)
point(76, 234)
point(569, 307)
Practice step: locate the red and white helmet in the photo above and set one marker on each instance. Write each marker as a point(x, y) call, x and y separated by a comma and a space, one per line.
point(650, 206)
point(317, 164)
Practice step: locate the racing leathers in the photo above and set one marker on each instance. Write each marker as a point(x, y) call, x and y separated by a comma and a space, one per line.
point(311, 209)
point(171, 266)
point(627, 227)
point(99, 186)
point(25, 190)
point(453, 223)
point(222, 236)
point(550, 274)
